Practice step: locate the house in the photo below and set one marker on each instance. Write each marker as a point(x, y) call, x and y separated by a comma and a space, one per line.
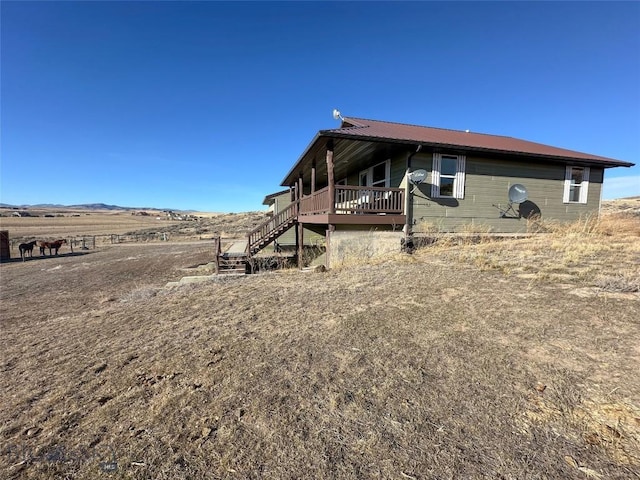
point(350, 185)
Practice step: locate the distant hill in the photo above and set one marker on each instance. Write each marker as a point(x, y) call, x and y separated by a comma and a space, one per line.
point(84, 206)
point(101, 206)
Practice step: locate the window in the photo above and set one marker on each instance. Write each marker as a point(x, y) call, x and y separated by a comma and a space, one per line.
point(376, 176)
point(447, 176)
point(576, 185)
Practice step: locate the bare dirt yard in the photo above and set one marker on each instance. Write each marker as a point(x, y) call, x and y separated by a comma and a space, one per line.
point(516, 358)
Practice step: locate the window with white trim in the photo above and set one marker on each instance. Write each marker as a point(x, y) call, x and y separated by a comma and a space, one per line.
point(376, 176)
point(447, 176)
point(576, 185)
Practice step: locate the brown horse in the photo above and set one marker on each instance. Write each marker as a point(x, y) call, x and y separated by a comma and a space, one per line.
point(55, 245)
point(26, 248)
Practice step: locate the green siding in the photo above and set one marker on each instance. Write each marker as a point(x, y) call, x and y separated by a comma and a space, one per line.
point(487, 184)
point(398, 170)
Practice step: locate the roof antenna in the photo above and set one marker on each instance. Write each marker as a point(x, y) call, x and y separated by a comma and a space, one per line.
point(337, 115)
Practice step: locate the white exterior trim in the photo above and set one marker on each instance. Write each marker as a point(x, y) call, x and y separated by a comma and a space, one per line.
point(584, 186)
point(459, 180)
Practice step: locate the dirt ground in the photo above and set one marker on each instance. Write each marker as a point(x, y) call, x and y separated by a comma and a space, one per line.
point(450, 363)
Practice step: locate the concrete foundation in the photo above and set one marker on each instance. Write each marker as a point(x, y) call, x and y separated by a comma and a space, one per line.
point(353, 247)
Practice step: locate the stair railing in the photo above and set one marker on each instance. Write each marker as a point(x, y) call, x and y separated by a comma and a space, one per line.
point(265, 230)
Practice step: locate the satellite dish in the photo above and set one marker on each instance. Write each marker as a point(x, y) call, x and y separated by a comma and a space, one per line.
point(517, 193)
point(417, 176)
point(337, 115)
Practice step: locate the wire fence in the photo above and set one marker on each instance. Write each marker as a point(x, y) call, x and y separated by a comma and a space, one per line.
point(90, 242)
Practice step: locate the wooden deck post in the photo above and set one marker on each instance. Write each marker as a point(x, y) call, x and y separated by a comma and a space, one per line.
point(217, 255)
point(300, 242)
point(330, 179)
point(313, 177)
point(327, 251)
point(300, 187)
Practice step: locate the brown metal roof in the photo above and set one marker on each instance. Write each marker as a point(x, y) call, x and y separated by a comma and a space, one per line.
point(374, 129)
point(360, 129)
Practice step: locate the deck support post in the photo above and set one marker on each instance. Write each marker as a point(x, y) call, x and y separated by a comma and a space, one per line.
point(330, 179)
point(300, 244)
point(327, 253)
point(313, 177)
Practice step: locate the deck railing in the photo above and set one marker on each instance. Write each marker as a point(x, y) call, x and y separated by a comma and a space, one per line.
point(351, 199)
point(317, 202)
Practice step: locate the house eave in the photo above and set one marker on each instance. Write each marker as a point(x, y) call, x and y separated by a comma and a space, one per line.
point(324, 135)
point(593, 161)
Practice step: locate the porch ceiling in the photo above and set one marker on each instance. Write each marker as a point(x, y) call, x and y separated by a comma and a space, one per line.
point(349, 157)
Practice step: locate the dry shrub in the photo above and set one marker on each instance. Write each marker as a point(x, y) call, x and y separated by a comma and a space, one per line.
point(618, 224)
point(625, 283)
point(585, 252)
point(467, 234)
point(613, 427)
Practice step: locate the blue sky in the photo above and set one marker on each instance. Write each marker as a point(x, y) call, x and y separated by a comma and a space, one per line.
point(206, 105)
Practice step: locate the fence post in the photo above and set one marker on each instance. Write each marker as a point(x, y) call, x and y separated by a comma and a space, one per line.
point(217, 255)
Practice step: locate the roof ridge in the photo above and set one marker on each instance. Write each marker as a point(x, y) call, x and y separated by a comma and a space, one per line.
point(433, 128)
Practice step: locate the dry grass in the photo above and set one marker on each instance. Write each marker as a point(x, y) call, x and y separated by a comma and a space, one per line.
point(451, 363)
point(105, 227)
point(85, 223)
point(593, 252)
point(70, 222)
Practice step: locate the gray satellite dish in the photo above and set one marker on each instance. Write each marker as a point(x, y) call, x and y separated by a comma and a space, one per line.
point(517, 193)
point(417, 176)
point(337, 115)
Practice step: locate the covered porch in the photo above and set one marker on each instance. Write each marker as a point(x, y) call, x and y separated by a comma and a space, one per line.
point(356, 205)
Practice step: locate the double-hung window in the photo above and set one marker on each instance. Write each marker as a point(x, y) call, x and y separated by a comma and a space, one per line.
point(576, 184)
point(447, 176)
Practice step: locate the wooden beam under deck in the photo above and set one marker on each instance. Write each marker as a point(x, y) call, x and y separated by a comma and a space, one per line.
point(341, 219)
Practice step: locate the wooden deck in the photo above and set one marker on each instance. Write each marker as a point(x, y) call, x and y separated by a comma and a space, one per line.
point(350, 205)
point(354, 206)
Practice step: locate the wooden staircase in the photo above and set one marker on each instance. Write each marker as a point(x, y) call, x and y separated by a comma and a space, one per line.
point(237, 259)
point(267, 232)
